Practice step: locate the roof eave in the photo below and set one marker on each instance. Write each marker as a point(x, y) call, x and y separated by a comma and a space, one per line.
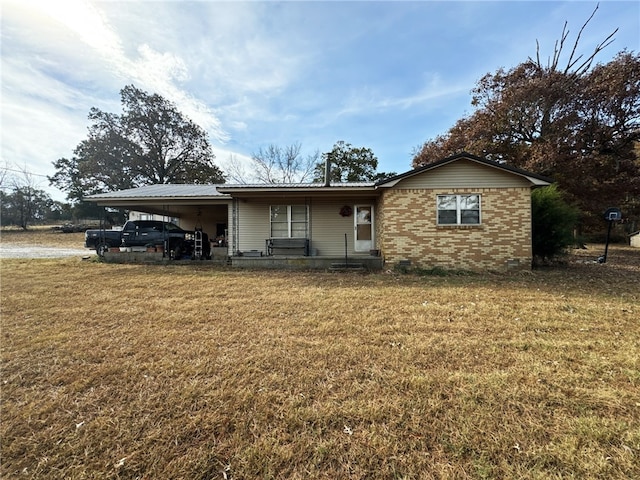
point(537, 182)
point(99, 198)
point(311, 190)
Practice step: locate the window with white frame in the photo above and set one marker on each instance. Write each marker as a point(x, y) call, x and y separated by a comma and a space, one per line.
point(289, 221)
point(459, 209)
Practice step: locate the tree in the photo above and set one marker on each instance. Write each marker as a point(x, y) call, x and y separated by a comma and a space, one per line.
point(275, 164)
point(349, 164)
point(553, 223)
point(21, 202)
point(24, 206)
point(236, 170)
point(272, 164)
point(151, 142)
point(576, 122)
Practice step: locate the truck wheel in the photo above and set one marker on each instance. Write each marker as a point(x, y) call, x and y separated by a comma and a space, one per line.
point(101, 248)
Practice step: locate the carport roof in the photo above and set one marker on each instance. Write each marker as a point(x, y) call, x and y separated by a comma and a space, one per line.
point(169, 191)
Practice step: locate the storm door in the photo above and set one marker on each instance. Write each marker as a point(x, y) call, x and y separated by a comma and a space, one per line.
point(363, 227)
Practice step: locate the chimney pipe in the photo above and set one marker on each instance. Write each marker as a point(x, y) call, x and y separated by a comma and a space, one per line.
point(327, 172)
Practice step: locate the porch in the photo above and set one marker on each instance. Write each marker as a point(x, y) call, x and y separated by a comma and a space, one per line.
point(252, 260)
point(298, 262)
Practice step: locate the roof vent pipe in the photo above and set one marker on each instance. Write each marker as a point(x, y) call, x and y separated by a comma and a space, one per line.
point(327, 171)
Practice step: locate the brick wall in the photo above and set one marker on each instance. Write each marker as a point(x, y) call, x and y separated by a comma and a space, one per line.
point(408, 230)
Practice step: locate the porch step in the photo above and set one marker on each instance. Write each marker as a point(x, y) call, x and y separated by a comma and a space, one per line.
point(351, 267)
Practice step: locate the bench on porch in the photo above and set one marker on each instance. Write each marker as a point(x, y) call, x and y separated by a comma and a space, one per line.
point(288, 244)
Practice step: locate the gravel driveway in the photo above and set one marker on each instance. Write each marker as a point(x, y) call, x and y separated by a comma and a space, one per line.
point(8, 250)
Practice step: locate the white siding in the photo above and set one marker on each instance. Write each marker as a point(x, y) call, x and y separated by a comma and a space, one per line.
point(327, 228)
point(253, 224)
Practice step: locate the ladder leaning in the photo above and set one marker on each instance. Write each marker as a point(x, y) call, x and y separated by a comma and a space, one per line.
point(197, 244)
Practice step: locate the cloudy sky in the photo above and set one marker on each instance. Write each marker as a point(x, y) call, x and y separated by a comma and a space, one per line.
point(382, 75)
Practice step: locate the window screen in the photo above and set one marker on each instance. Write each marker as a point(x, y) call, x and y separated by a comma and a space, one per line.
point(458, 209)
point(289, 221)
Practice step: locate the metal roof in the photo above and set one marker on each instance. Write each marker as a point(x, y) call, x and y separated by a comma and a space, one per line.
point(319, 186)
point(296, 185)
point(162, 191)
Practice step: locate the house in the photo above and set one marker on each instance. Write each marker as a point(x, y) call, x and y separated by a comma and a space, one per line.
point(463, 212)
point(634, 239)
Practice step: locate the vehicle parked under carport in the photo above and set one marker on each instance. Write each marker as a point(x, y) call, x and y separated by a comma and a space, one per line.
point(142, 233)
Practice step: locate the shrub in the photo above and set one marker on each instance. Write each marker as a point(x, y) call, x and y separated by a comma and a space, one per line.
point(553, 223)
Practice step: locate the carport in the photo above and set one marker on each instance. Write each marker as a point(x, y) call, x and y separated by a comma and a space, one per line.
point(195, 206)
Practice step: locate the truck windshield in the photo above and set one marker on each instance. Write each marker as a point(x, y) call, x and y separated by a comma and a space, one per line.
point(171, 227)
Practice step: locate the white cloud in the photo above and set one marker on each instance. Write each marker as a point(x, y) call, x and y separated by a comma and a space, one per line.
point(82, 18)
point(158, 72)
point(433, 94)
point(254, 73)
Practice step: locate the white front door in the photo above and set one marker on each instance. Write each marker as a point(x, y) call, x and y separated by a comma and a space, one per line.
point(363, 220)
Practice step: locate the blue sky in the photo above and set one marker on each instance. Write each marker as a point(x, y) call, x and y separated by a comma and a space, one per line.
point(382, 75)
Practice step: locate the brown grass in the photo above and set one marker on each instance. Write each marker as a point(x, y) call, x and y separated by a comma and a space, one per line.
point(192, 372)
point(43, 236)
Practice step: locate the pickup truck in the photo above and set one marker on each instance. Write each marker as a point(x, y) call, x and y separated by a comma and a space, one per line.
point(140, 233)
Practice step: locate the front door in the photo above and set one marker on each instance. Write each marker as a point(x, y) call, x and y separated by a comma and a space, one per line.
point(363, 228)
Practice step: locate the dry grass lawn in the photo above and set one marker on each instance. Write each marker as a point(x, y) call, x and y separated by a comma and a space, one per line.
point(193, 372)
point(43, 236)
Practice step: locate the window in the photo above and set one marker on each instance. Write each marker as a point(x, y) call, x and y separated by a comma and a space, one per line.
point(289, 221)
point(458, 209)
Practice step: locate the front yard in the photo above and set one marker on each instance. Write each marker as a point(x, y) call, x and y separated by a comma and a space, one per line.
point(187, 371)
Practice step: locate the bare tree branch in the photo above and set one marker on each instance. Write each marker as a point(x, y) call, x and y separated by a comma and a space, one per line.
point(276, 164)
point(557, 49)
point(235, 171)
point(601, 46)
point(570, 68)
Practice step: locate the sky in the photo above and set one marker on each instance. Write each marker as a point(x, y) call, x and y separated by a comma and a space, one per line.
point(382, 75)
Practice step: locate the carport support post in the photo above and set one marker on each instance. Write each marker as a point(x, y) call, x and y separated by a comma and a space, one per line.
point(165, 239)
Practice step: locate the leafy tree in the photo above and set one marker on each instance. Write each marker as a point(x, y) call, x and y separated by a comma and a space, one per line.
point(24, 206)
point(349, 164)
point(575, 122)
point(21, 202)
point(553, 223)
point(151, 142)
point(60, 211)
